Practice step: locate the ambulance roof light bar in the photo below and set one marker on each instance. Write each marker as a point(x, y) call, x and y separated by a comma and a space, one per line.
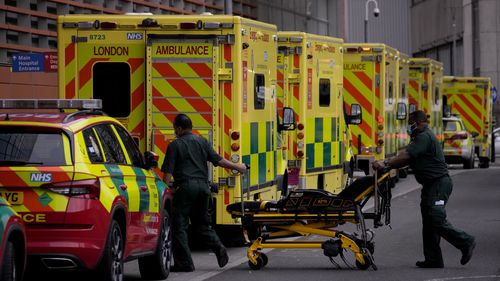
point(50, 104)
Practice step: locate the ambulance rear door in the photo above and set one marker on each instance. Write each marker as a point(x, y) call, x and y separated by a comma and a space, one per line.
point(110, 67)
point(180, 79)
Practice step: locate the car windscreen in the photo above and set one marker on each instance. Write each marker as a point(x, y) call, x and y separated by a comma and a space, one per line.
point(18, 148)
point(450, 126)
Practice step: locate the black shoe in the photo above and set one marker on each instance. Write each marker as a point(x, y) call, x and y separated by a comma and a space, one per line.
point(221, 255)
point(467, 253)
point(183, 268)
point(429, 264)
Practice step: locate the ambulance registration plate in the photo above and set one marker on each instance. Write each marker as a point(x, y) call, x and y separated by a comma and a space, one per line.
point(14, 198)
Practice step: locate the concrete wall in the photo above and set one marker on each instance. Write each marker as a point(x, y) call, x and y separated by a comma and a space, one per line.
point(313, 16)
point(24, 85)
point(391, 27)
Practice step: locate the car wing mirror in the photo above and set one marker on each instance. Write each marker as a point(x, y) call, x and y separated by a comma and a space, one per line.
point(151, 159)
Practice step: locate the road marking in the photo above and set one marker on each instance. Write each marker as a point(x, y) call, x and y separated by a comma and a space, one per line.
point(227, 267)
point(465, 278)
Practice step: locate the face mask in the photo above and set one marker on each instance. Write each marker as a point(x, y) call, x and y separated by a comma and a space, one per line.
point(411, 127)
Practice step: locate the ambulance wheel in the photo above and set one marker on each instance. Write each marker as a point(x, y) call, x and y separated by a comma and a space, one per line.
point(484, 163)
point(260, 263)
point(157, 266)
point(364, 266)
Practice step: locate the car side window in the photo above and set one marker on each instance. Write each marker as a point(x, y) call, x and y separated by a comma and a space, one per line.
point(130, 146)
point(92, 145)
point(110, 145)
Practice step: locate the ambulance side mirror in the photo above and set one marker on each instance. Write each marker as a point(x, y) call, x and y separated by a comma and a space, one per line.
point(356, 116)
point(401, 115)
point(151, 160)
point(446, 111)
point(289, 122)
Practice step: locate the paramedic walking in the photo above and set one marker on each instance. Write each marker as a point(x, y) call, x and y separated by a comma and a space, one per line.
point(426, 159)
point(186, 160)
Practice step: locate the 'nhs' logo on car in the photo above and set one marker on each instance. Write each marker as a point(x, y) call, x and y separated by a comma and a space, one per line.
point(40, 177)
point(134, 36)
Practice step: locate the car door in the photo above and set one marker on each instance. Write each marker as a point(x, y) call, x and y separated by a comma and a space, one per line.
point(123, 179)
point(149, 201)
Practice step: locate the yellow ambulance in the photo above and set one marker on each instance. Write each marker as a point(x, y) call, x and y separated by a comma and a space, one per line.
point(219, 70)
point(371, 72)
point(470, 97)
point(426, 77)
point(310, 82)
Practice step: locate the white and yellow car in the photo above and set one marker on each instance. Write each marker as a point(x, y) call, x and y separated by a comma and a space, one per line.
point(458, 143)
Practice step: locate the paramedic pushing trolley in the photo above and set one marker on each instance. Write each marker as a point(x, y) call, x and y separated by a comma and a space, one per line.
point(425, 156)
point(186, 160)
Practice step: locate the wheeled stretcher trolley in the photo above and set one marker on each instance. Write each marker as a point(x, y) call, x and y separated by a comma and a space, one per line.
point(305, 212)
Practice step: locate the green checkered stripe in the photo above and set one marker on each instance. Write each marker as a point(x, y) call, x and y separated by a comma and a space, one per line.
point(323, 148)
point(390, 133)
point(258, 151)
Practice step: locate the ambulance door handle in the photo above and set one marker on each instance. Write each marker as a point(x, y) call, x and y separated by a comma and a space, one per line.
point(123, 187)
point(144, 188)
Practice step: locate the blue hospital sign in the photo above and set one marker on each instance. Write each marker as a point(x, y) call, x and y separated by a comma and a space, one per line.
point(28, 63)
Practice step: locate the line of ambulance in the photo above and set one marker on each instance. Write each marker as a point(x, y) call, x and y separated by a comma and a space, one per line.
point(302, 110)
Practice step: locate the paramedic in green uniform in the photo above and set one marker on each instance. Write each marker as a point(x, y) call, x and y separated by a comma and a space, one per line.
point(186, 160)
point(425, 156)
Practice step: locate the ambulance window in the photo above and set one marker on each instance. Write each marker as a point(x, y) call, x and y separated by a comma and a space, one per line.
point(110, 145)
point(93, 149)
point(391, 93)
point(436, 95)
point(413, 107)
point(259, 98)
point(324, 92)
point(403, 91)
point(112, 86)
point(130, 146)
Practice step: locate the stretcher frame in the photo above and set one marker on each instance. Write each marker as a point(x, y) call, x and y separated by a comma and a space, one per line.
point(324, 224)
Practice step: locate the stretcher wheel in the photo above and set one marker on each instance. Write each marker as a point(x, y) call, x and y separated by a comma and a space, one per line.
point(265, 259)
point(260, 263)
point(365, 266)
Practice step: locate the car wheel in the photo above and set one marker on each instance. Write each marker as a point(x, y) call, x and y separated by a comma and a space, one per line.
point(157, 266)
point(9, 267)
point(111, 267)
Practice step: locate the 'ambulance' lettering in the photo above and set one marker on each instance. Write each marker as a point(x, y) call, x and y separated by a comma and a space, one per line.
point(110, 51)
point(182, 50)
point(34, 218)
point(355, 66)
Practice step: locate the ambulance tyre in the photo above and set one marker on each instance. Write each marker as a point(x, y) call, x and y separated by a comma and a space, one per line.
point(484, 163)
point(364, 266)
point(157, 266)
point(111, 266)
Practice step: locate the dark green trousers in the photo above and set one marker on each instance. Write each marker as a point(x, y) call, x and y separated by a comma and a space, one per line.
point(191, 201)
point(434, 197)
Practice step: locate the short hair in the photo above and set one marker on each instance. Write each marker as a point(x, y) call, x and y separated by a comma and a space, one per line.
point(418, 115)
point(183, 121)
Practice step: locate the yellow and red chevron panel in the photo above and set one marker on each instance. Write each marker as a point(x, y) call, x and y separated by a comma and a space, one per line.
point(469, 104)
point(359, 88)
point(181, 85)
point(80, 59)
